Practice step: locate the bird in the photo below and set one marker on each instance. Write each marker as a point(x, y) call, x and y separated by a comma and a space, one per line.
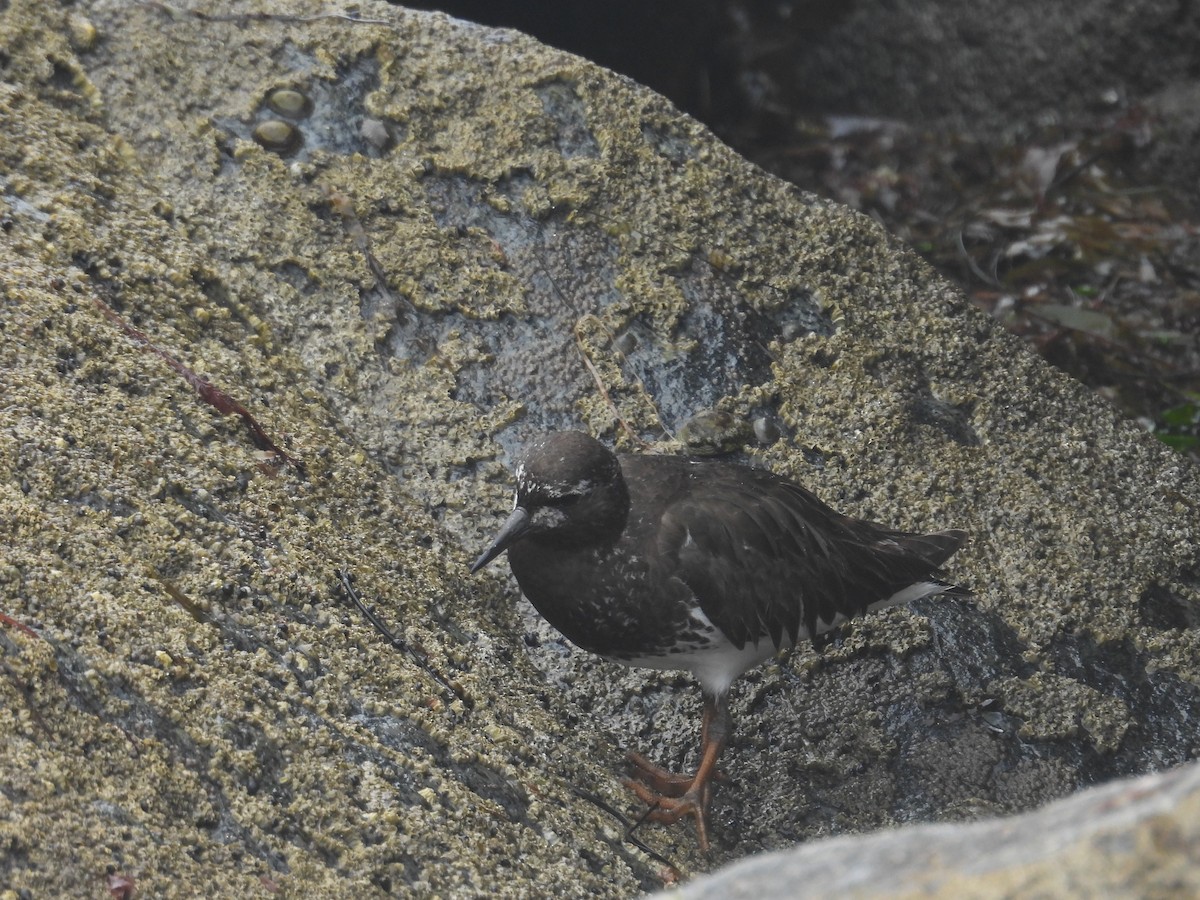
point(701, 565)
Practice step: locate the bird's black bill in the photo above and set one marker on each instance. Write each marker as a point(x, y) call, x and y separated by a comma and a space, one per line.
point(512, 529)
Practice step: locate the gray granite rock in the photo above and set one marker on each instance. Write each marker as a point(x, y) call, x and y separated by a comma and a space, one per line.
point(474, 237)
point(1137, 837)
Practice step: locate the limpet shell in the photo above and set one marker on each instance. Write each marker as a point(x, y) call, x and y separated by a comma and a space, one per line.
point(289, 103)
point(277, 136)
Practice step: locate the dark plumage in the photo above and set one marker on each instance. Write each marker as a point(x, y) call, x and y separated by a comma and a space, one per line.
point(712, 567)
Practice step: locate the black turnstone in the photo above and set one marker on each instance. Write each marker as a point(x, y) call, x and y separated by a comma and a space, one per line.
point(676, 563)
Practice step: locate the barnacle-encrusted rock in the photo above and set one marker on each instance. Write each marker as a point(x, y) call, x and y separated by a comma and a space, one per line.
point(188, 701)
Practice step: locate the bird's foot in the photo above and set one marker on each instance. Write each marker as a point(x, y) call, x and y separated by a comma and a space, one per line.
point(672, 796)
point(667, 809)
point(662, 781)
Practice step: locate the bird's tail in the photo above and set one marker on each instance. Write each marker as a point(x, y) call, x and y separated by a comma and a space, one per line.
point(934, 548)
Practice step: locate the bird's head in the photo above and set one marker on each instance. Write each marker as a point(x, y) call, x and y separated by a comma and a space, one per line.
point(569, 491)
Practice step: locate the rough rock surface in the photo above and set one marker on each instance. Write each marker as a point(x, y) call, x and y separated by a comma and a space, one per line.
point(477, 237)
point(1138, 837)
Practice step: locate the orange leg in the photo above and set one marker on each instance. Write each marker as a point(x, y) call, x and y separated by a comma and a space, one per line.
point(661, 781)
point(675, 796)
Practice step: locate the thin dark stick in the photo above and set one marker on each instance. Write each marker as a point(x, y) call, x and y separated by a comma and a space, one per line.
point(597, 379)
point(630, 837)
point(344, 207)
point(399, 643)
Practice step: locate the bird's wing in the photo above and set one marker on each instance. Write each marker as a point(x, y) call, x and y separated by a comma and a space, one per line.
point(762, 563)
